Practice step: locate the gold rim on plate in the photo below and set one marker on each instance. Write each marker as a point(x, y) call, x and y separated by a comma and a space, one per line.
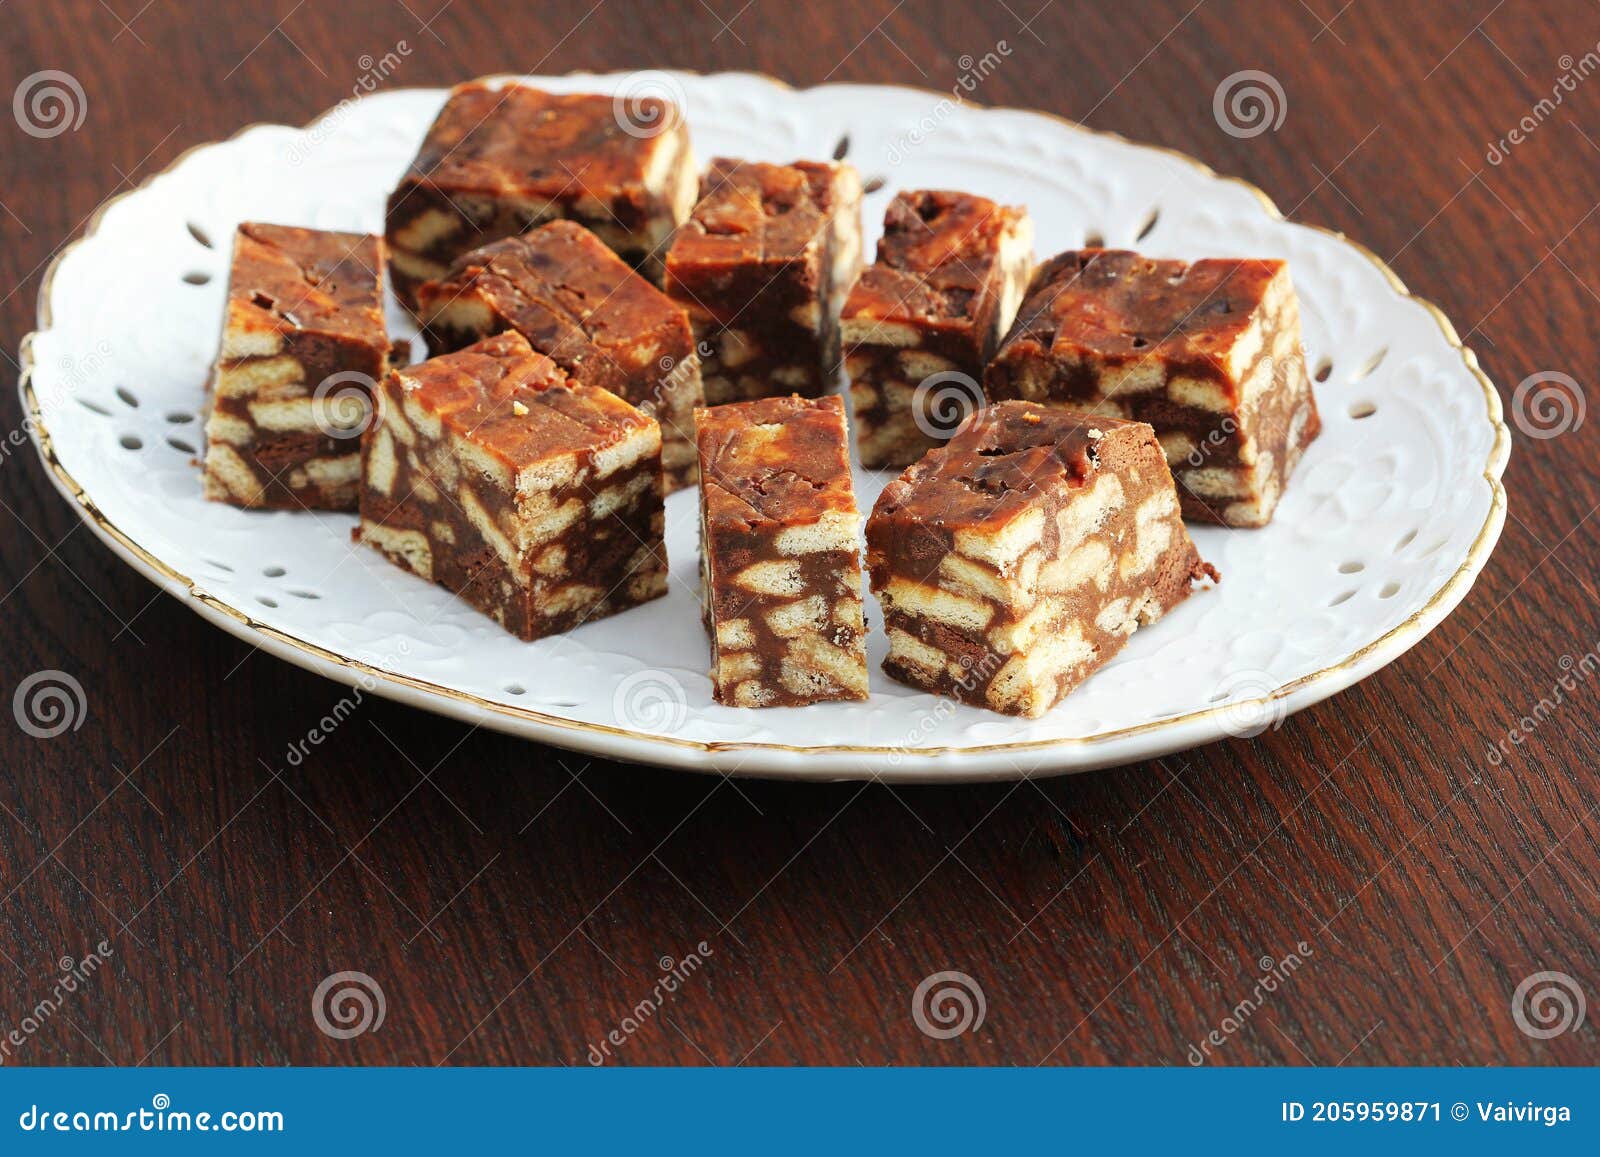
point(1417, 624)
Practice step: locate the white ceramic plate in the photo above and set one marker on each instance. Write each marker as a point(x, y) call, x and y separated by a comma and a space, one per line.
point(1392, 513)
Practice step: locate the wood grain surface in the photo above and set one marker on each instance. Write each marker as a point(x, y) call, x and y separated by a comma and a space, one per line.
point(513, 903)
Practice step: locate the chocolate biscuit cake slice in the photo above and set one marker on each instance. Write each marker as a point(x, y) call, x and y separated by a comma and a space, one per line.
point(534, 497)
point(925, 317)
point(780, 555)
point(502, 158)
point(1208, 353)
point(303, 345)
point(1015, 560)
point(762, 267)
point(581, 305)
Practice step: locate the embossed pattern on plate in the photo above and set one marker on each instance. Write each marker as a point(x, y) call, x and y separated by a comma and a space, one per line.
point(1392, 514)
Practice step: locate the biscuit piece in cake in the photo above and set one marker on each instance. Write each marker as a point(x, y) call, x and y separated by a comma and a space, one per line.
point(1208, 353)
point(534, 497)
point(780, 559)
point(1016, 559)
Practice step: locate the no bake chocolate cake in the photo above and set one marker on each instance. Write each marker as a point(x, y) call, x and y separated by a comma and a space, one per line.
point(1208, 353)
point(762, 267)
point(925, 317)
point(303, 344)
point(534, 497)
point(1018, 558)
point(780, 560)
point(581, 305)
point(501, 159)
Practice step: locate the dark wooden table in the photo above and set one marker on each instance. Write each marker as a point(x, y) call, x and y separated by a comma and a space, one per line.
point(513, 903)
